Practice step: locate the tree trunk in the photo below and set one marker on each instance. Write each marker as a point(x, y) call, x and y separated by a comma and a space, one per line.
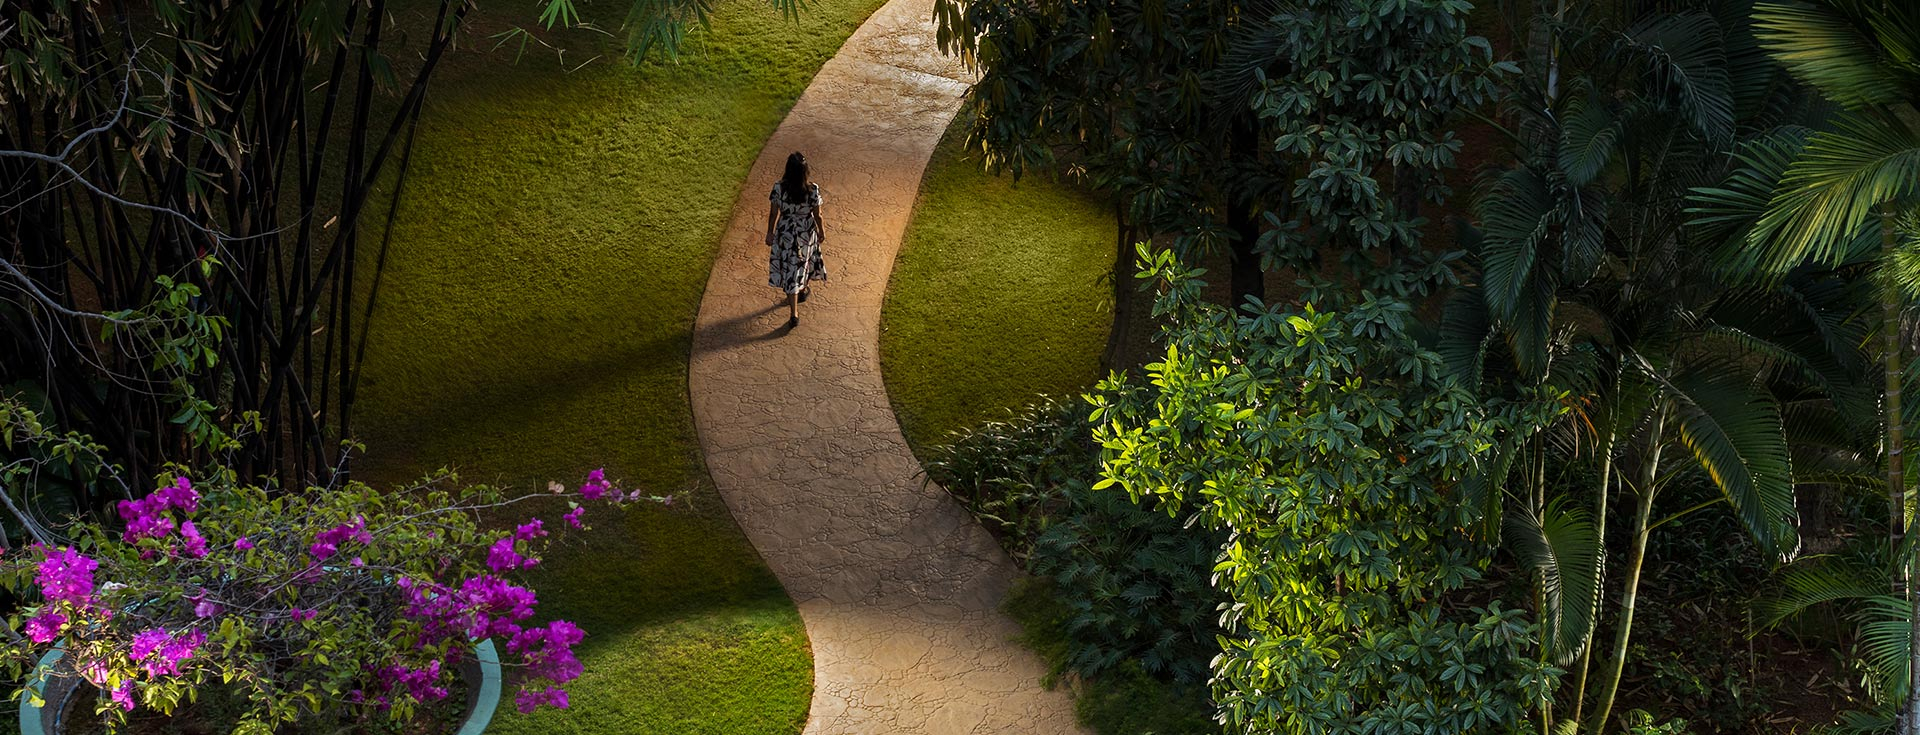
point(1895, 373)
point(1649, 474)
point(1605, 451)
point(1248, 280)
point(1125, 265)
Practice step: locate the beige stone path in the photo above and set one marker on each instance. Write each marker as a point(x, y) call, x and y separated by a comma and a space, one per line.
point(900, 590)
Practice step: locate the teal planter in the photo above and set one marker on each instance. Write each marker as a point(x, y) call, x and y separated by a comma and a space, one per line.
point(482, 673)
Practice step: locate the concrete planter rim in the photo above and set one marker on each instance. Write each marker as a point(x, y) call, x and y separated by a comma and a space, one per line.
point(482, 698)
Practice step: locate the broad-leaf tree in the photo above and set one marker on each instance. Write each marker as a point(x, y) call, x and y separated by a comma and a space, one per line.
point(1333, 449)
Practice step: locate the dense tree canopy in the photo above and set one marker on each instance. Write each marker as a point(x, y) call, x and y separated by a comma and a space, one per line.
point(1232, 125)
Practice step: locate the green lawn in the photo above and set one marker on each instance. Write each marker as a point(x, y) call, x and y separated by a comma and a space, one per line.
point(534, 323)
point(999, 295)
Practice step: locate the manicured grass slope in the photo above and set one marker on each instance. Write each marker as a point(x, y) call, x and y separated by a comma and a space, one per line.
point(534, 323)
point(999, 294)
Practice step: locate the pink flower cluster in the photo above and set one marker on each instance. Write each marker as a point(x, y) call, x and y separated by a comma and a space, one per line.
point(549, 651)
point(549, 655)
point(489, 606)
point(64, 575)
point(597, 487)
point(95, 672)
point(148, 517)
point(172, 649)
point(46, 625)
point(504, 555)
point(327, 543)
point(447, 606)
point(481, 606)
point(423, 684)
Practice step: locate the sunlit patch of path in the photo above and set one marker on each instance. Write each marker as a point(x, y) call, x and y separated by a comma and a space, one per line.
point(900, 590)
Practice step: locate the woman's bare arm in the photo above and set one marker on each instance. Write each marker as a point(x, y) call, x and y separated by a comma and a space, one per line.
point(773, 215)
point(819, 225)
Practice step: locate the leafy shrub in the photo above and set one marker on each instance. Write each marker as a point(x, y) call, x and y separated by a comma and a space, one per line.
point(1641, 722)
point(1133, 578)
point(1125, 700)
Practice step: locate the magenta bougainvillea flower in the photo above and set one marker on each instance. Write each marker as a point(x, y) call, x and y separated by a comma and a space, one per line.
point(596, 486)
point(147, 642)
point(67, 576)
point(123, 695)
point(148, 517)
point(327, 543)
point(191, 541)
point(46, 625)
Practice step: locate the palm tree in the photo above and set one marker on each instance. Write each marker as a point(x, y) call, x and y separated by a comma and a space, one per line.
point(1856, 179)
point(1590, 283)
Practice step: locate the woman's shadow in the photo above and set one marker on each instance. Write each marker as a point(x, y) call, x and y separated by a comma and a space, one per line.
point(740, 330)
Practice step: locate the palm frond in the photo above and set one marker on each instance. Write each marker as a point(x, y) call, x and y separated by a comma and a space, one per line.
point(1563, 545)
point(1812, 582)
point(1834, 48)
point(1464, 331)
point(1858, 722)
point(1725, 213)
point(1735, 435)
point(1758, 85)
point(1831, 190)
point(1481, 492)
point(1886, 640)
point(1516, 214)
point(1586, 140)
point(1901, 268)
point(1805, 328)
point(1688, 63)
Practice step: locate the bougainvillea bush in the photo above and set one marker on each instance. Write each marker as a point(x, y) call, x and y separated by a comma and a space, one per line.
point(343, 601)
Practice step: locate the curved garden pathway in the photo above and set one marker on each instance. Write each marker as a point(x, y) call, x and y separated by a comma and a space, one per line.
point(899, 588)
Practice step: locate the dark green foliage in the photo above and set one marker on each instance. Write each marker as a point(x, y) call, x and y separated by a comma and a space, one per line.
point(1131, 702)
point(1363, 96)
point(1131, 580)
point(1681, 377)
point(1136, 581)
point(1125, 700)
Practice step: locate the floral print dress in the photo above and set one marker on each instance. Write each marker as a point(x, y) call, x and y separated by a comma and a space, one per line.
point(794, 259)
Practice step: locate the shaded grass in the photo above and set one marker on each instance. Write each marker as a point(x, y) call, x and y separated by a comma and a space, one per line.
point(999, 295)
point(534, 322)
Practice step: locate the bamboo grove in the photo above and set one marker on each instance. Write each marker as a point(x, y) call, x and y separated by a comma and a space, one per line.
point(191, 191)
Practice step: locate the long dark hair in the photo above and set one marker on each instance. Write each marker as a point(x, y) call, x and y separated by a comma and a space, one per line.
point(793, 185)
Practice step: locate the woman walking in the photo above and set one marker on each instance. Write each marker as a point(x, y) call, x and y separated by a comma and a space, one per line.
point(794, 236)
